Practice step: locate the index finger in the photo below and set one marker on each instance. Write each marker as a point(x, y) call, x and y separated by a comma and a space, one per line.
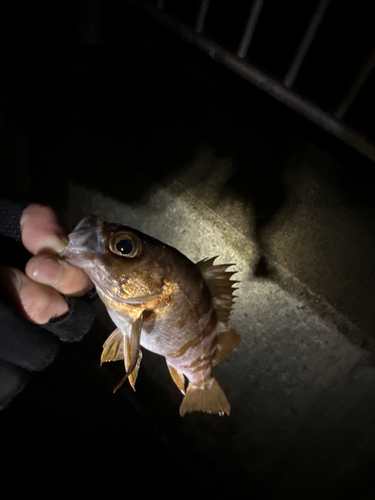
point(41, 230)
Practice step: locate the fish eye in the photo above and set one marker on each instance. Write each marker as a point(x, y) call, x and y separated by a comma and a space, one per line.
point(125, 245)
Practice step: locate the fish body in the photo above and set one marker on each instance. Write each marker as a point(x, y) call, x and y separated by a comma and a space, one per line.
point(160, 300)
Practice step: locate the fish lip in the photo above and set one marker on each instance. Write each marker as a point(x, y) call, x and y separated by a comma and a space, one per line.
point(85, 239)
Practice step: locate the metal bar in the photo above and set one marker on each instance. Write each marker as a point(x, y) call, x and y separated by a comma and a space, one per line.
point(363, 74)
point(199, 25)
point(257, 77)
point(305, 43)
point(250, 28)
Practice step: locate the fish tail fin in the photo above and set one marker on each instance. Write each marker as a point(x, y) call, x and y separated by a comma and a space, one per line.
point(209, 397)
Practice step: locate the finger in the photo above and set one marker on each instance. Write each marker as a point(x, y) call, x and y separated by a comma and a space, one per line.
point(50, 270)
point(39, 303)
point(41, 230)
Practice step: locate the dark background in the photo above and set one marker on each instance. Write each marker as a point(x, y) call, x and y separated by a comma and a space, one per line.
point(68, 97)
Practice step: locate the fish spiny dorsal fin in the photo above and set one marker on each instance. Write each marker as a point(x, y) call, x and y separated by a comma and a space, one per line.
point(228, 341)
point(220, 285)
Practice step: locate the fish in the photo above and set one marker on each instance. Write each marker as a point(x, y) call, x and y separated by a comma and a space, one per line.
point(160, 300)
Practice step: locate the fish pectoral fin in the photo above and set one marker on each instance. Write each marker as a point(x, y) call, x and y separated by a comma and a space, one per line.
point(209, 397)
point(177, 377)
point(228, 341)
point(113, 347)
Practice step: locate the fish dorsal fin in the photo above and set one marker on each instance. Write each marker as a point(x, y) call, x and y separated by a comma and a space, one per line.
point(220, 285)
point(228, 341)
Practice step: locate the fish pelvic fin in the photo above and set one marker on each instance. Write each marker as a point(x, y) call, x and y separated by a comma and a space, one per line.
point(209, 398)
point(132, 362)
point(134, 374)
point(133, 344)
point(113, 347)
point(119, 345)
point(177, 377)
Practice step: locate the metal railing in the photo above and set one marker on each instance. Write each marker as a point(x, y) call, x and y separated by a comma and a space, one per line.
point(282, 88)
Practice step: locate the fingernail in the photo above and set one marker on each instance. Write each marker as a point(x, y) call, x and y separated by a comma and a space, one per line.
point(60, 243)
point(54, 243)
point(48, 271)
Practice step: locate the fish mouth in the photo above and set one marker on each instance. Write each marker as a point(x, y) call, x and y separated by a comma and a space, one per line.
point(85, 239)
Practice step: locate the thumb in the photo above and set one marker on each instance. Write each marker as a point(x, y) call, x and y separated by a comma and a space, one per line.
point(41, 230)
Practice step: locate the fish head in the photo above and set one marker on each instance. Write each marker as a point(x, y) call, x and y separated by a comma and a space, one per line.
point(123, 263)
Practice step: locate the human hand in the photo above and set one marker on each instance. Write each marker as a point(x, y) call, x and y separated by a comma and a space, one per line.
point(37, 292)
point(25, 347)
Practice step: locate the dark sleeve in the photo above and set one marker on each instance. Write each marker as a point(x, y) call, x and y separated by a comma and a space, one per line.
point(24, 346)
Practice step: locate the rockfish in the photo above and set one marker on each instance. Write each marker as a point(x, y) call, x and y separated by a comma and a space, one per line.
point(160, 300)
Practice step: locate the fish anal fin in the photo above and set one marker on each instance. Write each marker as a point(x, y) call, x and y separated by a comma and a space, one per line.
point(220, 285)
point(177, 377)
point(228, 341)
point(113, 347)
point(209, 398)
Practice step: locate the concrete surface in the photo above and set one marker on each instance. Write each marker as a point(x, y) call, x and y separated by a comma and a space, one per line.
point(212, 168)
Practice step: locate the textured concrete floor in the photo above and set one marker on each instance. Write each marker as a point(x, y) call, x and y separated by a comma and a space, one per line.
point(214, 168)
point(296, 383)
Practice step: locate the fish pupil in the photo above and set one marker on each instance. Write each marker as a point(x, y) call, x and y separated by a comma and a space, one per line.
point(124, 247)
